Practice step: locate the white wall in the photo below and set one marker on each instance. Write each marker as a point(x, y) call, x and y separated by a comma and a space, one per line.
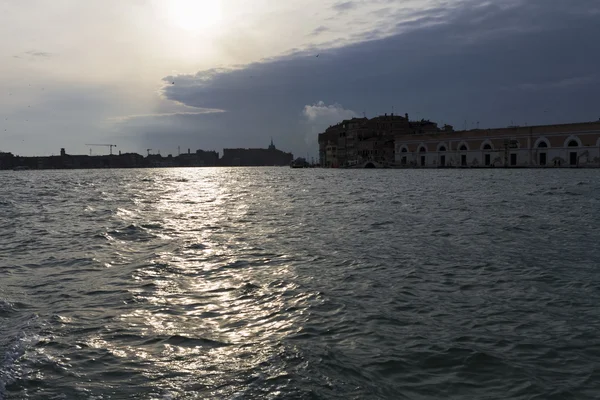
point(587, 157)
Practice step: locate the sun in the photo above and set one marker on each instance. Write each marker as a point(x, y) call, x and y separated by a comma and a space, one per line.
point(195, 16)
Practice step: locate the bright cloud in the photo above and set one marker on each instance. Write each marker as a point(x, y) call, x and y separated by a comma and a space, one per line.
point(319, 116)
point(321, 113)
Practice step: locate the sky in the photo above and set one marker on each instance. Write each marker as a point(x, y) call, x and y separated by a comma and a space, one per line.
point(169, 75)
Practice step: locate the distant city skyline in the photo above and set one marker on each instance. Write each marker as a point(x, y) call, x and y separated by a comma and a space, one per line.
point(219, 74)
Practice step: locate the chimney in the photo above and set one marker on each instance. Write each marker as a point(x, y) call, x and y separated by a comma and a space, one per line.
point(119, 152)
point(62, 152)
point(406, 115)
point(188, 151)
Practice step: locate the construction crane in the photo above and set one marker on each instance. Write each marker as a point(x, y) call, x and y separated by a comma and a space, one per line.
point(105, 145)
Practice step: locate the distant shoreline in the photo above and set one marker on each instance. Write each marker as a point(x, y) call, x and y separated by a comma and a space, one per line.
point(585, 167)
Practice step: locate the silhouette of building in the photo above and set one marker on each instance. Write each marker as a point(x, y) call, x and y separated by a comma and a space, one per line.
point(256, 157)
point(201, 158)
point(338, 144)
point(6, 160)
point(359, 140)
point(207, 158)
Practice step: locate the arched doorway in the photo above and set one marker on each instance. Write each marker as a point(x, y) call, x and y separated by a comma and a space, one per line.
point(442, 150)
point(422, 156)
point(542, 155)
point(487, 157)
point(403, 159)
point(463, 157)
point(572, 154)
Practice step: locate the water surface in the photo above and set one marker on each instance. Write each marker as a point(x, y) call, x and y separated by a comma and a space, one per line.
point(304, 284)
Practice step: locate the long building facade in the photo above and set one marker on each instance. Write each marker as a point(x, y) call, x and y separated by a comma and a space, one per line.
point(395, 141)
point(565, 145)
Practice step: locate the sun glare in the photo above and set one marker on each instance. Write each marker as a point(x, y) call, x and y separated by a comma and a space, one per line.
point(195, 16)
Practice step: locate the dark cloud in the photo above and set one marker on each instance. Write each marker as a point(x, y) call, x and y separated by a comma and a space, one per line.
point(492, 63)
point(32, 55)
point(382, 12)
point(39, 53)
point(345, 6)
point(319, 30)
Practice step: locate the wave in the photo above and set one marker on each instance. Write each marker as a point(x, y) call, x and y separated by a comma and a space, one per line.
point(445, 288)
point(6, 308)
point(14, 347)
point(184, 341)
point(131, 232)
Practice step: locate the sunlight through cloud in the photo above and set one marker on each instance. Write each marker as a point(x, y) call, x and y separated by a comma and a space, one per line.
point(195, 16)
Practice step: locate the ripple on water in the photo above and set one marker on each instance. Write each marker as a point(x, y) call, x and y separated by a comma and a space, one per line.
point(265, 283)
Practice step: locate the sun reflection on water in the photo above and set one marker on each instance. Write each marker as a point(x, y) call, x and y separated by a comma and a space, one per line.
point(210, 301)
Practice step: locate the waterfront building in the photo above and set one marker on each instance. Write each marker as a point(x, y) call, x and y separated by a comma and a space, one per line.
point(395, 141)
point(6, 160)
point(356, 127)
point(360, 140)
point(561, 145)
point(206, 158)
point(328, 145)
point(331, 155)
point(270, 156)
point(338, 144)
point(376, 140)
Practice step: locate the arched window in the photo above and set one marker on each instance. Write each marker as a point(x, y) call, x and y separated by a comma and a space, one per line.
point(403, 150)
point(573, 143)
point(545, 145)
point(443, 148)
point(422, 149)
point(463, 148)
point(487, 146)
